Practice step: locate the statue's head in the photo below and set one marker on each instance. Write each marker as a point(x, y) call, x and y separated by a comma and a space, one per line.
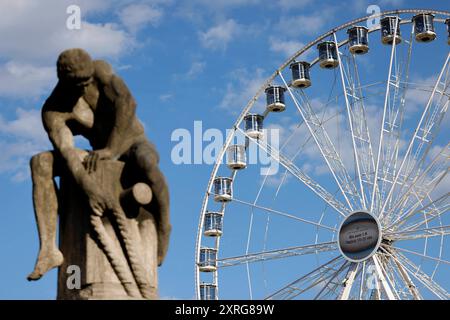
point(75, 68)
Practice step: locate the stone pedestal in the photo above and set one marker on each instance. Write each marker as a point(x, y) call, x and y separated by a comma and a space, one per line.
point(80, 245)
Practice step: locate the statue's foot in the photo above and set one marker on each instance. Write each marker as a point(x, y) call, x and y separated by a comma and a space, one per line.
point(45, 262)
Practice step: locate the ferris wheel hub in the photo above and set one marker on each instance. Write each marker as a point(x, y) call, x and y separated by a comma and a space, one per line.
point(359, 236)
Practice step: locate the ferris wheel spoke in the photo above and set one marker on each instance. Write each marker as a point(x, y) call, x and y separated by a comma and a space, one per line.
point(421, 255)
point(402, 183)
point(362, 281)
point(398, 283)
point(385, 285)
point(376, 192)
point(422, 186)
point(408, 283)
point(431, 127)
point(332, 280)
point(349, 281)
point(277, 254)
point(362, 134)
point(423, 183)
point(389, 275)
point(393, 123)
point(421, 276)
point(423, 136)
point(299, 150)
point(301, 176)
point(419, 233)
point(284, 214)
point(431, 211)
point(308, 281)
point(326, 148)
point(352, 120)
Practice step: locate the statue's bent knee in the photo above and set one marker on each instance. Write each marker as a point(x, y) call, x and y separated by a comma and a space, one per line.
point(42, 164)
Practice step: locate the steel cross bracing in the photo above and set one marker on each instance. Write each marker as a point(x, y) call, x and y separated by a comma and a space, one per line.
point(393, 125)
point(332, 283)
point(349, 280)
point(388, 129)
point(276, 254)
point(435, 209)
point(421, 276)
point(402, 285)
point(419, 233)
point(422, 138)
point(420, 188)
point(434, 174)
point(308, 281)
point(404, 198)
point(362, 146)
point(326, 148)
point(303, 177)
point(407, 279)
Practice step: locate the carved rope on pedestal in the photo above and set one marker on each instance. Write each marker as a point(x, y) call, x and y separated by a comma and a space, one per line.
point(141, 193)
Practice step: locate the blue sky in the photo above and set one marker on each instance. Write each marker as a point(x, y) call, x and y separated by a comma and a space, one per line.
point(184, 61)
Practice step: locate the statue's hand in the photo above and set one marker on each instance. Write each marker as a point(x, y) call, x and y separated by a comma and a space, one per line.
point(100, 201)
point(93, 157)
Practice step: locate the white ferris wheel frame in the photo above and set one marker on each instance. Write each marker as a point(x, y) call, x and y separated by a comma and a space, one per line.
point(404, 265)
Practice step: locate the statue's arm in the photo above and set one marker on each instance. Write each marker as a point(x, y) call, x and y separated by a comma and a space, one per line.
point(62, 139)
point(125, 110)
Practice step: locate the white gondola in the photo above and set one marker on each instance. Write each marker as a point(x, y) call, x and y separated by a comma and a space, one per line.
point(208, 291)
point(387, 30)
point(275, 98)
point(254, 125)
point(213, 224)
point(447, 22)
point(328, 58)
point(222, 189)
point(300, 74)
point(358, 40)
point(424, 27)
point(236, 158)
point(208, 260)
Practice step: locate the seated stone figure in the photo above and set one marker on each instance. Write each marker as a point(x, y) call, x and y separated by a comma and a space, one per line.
point(90, 100)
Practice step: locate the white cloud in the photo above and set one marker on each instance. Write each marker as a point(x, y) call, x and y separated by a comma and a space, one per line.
point(286, 47)
point(196, 69)
point(34, 33)
point(293, 4)
point(304, 24)
point(25, 80)
point(282, 178)
point(27, 125)
point(223, 4)
point(21, 138)
point(219, 36)
point(391, 2)
point(361, 6)
point(40, 32)
point(243, 86)
point(166, 97)
point(136, 16)
point(100, 40)
point(419, 93)
point(203, 10)
point(442, 188)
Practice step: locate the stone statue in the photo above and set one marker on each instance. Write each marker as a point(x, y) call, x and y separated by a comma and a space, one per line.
point(90, 100)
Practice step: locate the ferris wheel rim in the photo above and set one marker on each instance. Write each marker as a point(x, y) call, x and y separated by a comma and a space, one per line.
point(261, 89)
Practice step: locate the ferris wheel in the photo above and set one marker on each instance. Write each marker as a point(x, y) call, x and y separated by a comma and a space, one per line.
point(353, 206)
